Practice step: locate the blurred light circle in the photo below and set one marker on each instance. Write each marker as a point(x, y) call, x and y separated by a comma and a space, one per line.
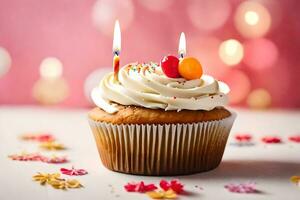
point(156, 5)
point(209, 15)
point(106, 12)
point(50, 91)
point(93, 80)
point(206, 50)
point(260, 53)
point(259, 99)
point(231, 52)
point(239, 84)
point(5, 61)
point(252, 19)
point(51, 67)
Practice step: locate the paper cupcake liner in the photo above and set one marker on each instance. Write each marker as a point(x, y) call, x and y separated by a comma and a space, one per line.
point(169, 149)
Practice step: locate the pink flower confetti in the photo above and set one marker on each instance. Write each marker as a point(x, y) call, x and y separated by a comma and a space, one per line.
point(174, 185)
point(241, 187)
point(43, 137)
point(140, 187)
point(73, 171)
point(38, 157)
point(295, 138)
point(243, 137)
point(271, 140)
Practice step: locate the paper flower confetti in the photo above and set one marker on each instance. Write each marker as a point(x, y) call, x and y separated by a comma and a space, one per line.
point(73, 171)
point(56, 181)
point(271, 140)
point(295, 138)
point(296, 180)
point(241, 187)
point(169, 194)
point(174, 185)
point(52, 146)
point(38, 157)
point(243, 137)
point(44, 178)
point(27, 157)
point(139, 187)
point(42, 137)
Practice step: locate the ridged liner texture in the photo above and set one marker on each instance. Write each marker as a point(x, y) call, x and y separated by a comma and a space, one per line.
point(159, 150)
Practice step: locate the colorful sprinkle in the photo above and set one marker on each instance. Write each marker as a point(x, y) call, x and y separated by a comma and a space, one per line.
point(139, 187)
point(242, 187)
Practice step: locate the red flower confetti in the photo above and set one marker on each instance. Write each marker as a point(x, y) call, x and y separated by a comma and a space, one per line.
point(73, 171)
point(243, 137)
point(241, 187)
point(295, 138)
point(139, 187)
point(271, 140)
point(56, 160)
point(174, 185)
point(43, 137)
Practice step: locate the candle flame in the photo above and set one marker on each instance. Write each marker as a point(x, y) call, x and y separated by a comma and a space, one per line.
point(117, 38)
point(182, 45)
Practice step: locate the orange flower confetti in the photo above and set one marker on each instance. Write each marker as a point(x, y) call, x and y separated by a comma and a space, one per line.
point(169, 194)
point(52, 146)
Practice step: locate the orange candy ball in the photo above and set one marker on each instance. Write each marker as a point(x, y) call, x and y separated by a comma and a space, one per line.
point(190, 68)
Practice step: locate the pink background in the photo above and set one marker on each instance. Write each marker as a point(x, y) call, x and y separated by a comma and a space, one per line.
point(33, 29)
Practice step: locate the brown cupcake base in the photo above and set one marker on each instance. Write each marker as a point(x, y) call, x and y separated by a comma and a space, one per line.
point(159, 150)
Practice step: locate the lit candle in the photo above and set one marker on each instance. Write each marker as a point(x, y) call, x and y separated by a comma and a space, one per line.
point(116, 49)
point(182, 46)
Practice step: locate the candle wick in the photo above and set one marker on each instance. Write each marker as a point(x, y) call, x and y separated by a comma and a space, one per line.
point(116, 53)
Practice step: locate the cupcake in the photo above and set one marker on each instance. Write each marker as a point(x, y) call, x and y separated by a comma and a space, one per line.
point(155, 121)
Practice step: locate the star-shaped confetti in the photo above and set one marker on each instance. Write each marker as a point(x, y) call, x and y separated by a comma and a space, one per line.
point(27, 157)
point(296, 180)
point(52, 146)
point(242, 187)
point(73, 171)
point(139, 187)
point(40, 137)
point(271, 140)
point(295, 138)
point(174, 185)
point(44, 178)
point(169, 194)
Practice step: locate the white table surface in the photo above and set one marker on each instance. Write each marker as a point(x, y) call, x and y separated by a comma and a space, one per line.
point(270, 166)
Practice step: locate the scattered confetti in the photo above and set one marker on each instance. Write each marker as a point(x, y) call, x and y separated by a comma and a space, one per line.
point(42, 137)
point(44, 178)
point(271, 140)
point(243, 137)
point(296, 180)
point(73, 171)
point(295, 138)
point(169, 194)
point(139, 187)
point(52, 146)
point(174, 185)
point(56, 181)
point(241, 187)
point(38, 157)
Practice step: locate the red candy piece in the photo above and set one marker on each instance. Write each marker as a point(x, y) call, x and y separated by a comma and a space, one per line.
point(243, 137)
point(271, 140)
point(295, 138)
point(175, 185)
point(169, 65)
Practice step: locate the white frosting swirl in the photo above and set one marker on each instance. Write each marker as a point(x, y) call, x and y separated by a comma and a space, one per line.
point(145, 85)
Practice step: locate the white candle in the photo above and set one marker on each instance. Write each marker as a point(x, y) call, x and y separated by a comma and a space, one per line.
point(182, 46)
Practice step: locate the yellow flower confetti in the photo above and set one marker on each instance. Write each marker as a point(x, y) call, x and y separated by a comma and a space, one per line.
point(170, 194)
point(44, 178)
point(52, 146)
point(296, 180)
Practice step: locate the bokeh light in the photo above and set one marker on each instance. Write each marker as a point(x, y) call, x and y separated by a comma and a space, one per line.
point(156, 5)
point(93, 80)
point(260, 53)
point(259, 99)
point(106, 12)
point(209, 15)
point(5, 61)
point(239, 84)
point(252, 19)
point(206, 50)
point(51, 67)
point(231, 52)
point(50, 91)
